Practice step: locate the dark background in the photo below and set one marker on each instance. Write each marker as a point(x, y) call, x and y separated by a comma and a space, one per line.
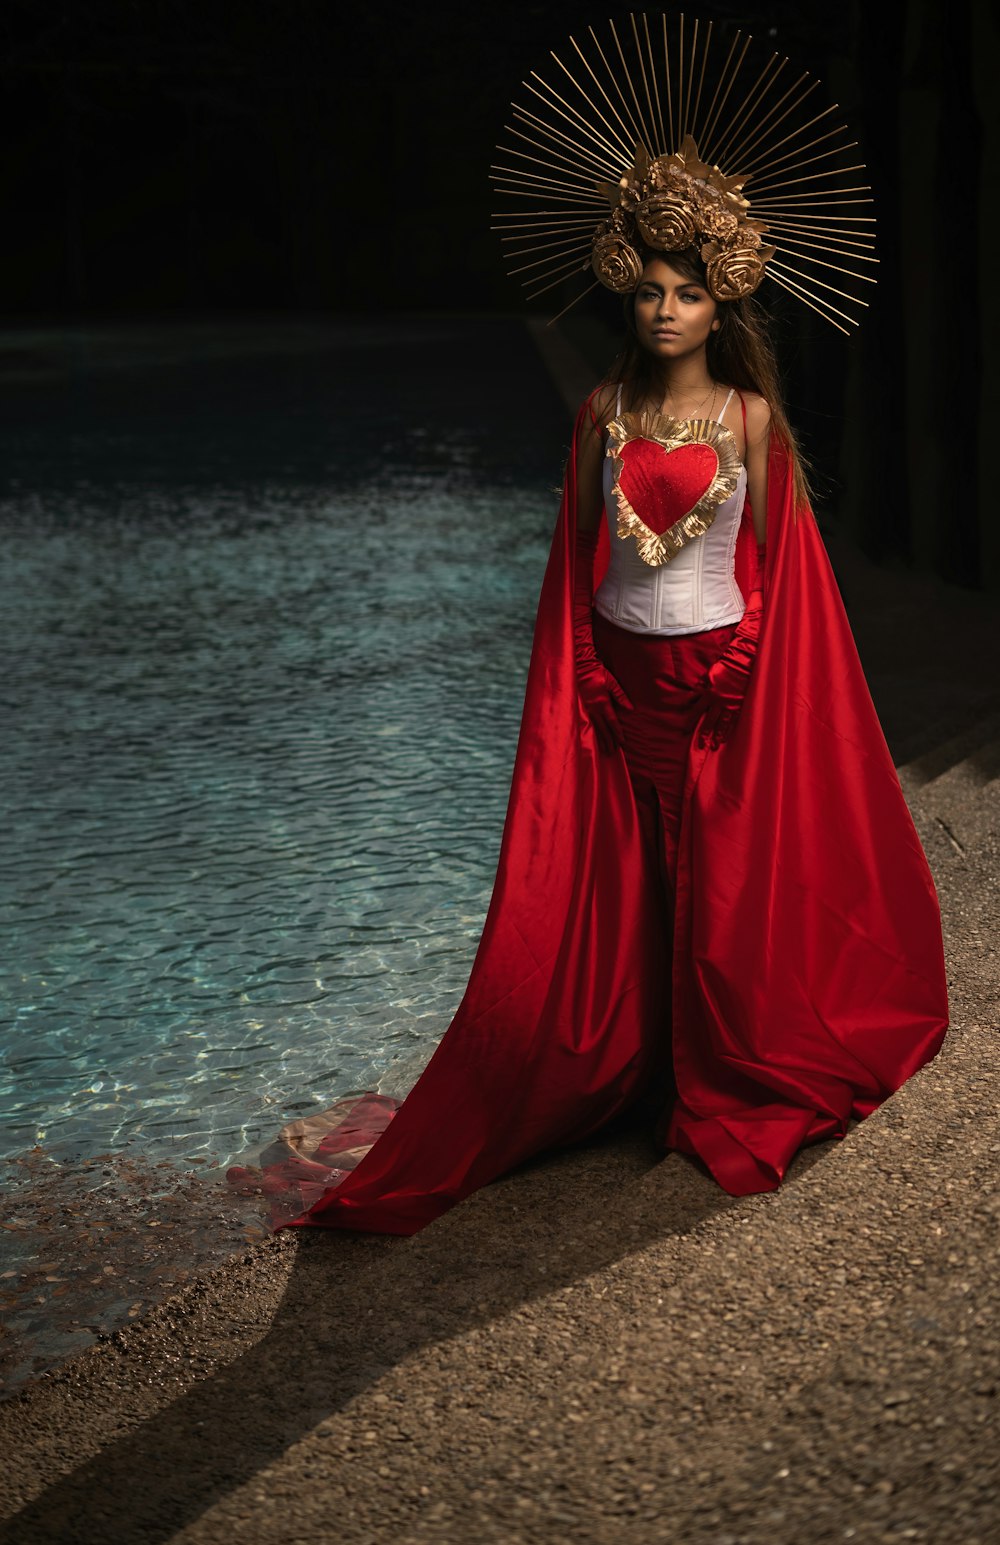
point(307, 156)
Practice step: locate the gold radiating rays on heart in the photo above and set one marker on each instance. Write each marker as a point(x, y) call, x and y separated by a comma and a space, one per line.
point(652, 79)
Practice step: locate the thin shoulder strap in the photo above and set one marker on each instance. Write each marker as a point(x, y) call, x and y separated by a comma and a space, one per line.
point(618, 403)
point(725, 405)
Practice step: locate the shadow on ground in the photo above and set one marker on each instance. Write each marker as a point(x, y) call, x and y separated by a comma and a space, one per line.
point(354, 1307)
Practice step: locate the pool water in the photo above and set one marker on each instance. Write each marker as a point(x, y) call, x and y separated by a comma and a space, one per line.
point(266, 607)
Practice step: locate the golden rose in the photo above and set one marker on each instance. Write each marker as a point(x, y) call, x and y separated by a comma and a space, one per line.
point(664, 176)
point(616, 263)
point(732, 272)
point(665, 221)
point(630, 192)
point(718, 222)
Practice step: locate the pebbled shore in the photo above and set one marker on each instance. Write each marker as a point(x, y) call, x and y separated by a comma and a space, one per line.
point(604, 1346)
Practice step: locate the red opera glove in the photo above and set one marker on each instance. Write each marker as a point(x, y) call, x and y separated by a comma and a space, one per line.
point(599, 691)
point(726, 681)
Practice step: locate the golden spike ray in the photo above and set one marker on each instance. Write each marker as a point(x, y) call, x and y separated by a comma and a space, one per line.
point(778, 190)
point(784, 202)
point(793, 155)
point(623, 143)
point(803, 257)
point(836, 171)
point(784, 268)
point(740, 155)
point(785, 241)
point(650, 144)
point(768, 75)
point(538, 214)
point(548, 246)
point(544, 246)
point(571, 189)
point(572, 303)
point(708, 154)
point(553, 267)
point(800, 294)
point(796, 132)
point(681, 114)
point(590, 71)
point(789, 182)
point(571, 113)
point(510, 234)
point(701, 81)
point(530, 179)
point(672, 140)
point(805, 214)
point(581, 178)
point(645, 134)
point(851, 238)
point(819, 300)
point(534, 294)
point(690, 80)
point(656, 88)
point(583, 152)
point(575, 267)
point(636, 131)
point(703, 141)
point(560, 158)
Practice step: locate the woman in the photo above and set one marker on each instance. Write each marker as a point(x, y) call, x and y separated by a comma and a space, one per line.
point(710, 897)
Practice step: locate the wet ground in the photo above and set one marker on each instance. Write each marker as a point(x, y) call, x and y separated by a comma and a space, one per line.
point(90, 1245)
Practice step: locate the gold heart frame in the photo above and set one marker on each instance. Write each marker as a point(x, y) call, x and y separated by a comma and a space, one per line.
point(671, 434)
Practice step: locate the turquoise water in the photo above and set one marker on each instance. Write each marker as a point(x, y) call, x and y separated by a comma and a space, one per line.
point(266, 608)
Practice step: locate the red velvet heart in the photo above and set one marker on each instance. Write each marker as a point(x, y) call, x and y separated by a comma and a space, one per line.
point(662, 486)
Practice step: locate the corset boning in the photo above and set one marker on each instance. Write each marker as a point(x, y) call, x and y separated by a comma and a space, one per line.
point(695, 591)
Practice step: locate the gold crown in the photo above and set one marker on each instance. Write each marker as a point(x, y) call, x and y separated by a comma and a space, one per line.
point(662, 107)
point(674, 202)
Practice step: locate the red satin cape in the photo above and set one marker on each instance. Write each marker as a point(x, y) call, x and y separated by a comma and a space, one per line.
point(807, 974)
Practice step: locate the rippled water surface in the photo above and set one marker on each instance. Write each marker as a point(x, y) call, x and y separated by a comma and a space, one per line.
point(266, 607)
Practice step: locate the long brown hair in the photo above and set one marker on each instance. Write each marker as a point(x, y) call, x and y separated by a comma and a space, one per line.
point(739, 353)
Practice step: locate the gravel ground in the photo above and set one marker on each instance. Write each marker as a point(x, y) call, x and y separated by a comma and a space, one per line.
point(605, 1346)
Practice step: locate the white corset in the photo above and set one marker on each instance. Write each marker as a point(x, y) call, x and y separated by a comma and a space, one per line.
point(695, 591)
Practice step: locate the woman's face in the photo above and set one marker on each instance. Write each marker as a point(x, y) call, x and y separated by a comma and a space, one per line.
point(674, 315)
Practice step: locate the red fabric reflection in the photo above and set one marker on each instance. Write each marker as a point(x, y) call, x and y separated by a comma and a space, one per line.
point(753, 921)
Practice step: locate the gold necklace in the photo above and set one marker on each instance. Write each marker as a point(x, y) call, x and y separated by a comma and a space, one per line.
point(715, 387)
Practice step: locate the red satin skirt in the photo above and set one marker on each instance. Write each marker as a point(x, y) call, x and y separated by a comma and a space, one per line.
point(662, 678)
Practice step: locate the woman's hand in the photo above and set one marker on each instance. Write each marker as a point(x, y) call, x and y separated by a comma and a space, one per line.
point(725, 683)
point(600, 693)
point(601, 697)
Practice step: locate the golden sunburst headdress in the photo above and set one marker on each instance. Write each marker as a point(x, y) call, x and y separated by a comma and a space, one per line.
point(664, 106)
